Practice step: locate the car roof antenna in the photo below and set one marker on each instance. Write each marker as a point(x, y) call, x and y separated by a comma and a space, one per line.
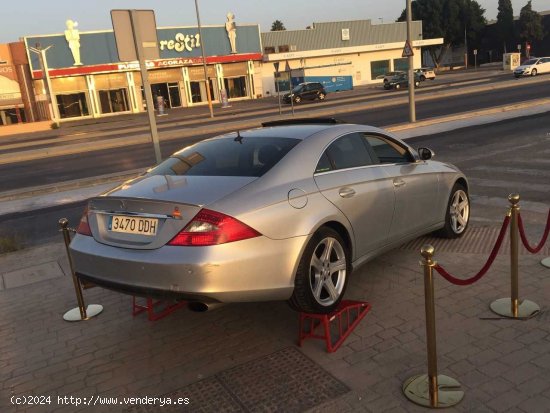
point(239, 138)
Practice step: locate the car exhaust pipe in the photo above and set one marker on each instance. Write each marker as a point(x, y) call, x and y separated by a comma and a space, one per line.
point(198, 307)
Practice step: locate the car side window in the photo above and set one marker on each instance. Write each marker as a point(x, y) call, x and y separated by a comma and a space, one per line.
point(324, 164)
point(349, 151)
point(386, 150)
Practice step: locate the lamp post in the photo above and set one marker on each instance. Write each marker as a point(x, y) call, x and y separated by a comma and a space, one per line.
point(46, 78)
point(204, 62)
point(412, 108)
point(465, 48)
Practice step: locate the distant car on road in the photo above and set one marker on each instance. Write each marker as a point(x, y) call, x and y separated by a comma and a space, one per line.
point(533, 67)
point(425, 73)
point(283, 212)
point(306, 91)
point(388, 76)
point(401, 81)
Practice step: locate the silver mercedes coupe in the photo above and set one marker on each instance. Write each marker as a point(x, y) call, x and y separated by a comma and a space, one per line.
point(282, 212)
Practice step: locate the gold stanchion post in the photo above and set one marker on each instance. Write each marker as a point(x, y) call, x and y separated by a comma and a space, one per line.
point(512, 307)
point(81, 312)
point(431, 390)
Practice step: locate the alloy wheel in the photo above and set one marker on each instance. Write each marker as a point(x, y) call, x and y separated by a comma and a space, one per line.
point(328, 270)
point(459, 211)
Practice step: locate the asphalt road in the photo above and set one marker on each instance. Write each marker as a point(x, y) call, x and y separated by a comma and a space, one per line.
point(54, 170)
point(498, 159)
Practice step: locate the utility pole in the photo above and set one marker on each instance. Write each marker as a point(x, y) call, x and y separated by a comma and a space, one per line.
point(412, 108)
point(204, 62)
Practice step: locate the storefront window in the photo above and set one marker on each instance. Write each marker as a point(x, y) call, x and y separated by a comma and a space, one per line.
point(72, 105)
point(11, 116)
point(401, 64)
point(114, 101)
point(198, 91)
point(235, 87)
point(174, 94)
point(379, 68)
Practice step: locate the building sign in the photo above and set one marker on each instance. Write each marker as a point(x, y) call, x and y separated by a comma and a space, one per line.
point(181, 43)
point(99, 48)
point(345, 34)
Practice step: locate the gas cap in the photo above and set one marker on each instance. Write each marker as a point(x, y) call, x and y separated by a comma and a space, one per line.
point(297, 198)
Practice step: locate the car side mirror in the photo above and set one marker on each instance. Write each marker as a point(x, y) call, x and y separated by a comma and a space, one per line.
point(425, 154)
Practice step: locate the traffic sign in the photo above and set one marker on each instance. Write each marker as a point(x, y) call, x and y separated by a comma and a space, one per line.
point(407, 50)
point(475, 51)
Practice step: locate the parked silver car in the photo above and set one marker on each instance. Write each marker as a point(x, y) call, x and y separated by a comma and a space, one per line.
point(283, 212)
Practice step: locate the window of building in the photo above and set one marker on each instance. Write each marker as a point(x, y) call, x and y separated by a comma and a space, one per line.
point(72, 105)
point(198, 91)
point(112, 101)
point(284, 48)
point(235, 87)
point(401, 64)
point(379, 68)
point(269, 50)
point(174, 95)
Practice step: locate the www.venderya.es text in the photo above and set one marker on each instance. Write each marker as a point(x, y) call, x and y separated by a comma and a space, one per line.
point(92, 400)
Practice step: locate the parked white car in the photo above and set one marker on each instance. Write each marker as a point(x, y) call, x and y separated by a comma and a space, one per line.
point(425, 73)
point(533, 67)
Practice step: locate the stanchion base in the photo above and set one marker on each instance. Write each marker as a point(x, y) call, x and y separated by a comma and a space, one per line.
point(546, 262)
point(91, 311)
point(416, 389)
point(526, 308)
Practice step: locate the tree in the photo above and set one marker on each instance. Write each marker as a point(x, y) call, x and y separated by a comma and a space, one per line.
point(530, 24)
point(448, 19)
point(277, 26)
point(505, 23)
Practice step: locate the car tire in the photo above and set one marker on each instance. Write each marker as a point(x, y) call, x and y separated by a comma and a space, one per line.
point(297, 99)
point(422, 78)
point(398, 86)
point(316, 289)
point(321, 96)
point(534, 72)
point(457, 215)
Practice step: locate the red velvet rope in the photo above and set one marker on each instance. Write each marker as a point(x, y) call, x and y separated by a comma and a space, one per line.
point(528, 247)
point(483, 271)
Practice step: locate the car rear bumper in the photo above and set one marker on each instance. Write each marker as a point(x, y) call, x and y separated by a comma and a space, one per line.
point(258, 269)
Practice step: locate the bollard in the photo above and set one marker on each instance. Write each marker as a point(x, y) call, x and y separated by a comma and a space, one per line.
point(431, 390)
point(512, 307)
point(81, 312)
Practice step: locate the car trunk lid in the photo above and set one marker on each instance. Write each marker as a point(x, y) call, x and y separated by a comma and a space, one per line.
point(146, 213)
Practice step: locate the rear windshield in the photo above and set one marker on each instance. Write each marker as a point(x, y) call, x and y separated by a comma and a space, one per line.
point(227, 157)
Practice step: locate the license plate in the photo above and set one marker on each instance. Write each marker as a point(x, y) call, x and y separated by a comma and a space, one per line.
point(133, 225)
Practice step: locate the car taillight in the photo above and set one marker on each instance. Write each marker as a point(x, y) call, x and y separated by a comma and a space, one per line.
point(83, 226)
point(212, 228)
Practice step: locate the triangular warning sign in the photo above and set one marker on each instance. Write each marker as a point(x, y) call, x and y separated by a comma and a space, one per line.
point(407, 50)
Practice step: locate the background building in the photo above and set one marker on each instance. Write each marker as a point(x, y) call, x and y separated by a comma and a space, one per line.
point(16, 97)
point(339, 54)
point(88, 80)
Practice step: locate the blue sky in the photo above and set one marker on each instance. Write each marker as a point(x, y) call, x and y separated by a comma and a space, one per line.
point(32, 17)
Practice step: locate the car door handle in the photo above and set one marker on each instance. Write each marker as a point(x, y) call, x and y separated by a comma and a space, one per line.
point(346, 192)
point(398, 182)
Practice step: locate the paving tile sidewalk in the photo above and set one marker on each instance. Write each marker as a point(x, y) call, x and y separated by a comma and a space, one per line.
point(503, 365)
